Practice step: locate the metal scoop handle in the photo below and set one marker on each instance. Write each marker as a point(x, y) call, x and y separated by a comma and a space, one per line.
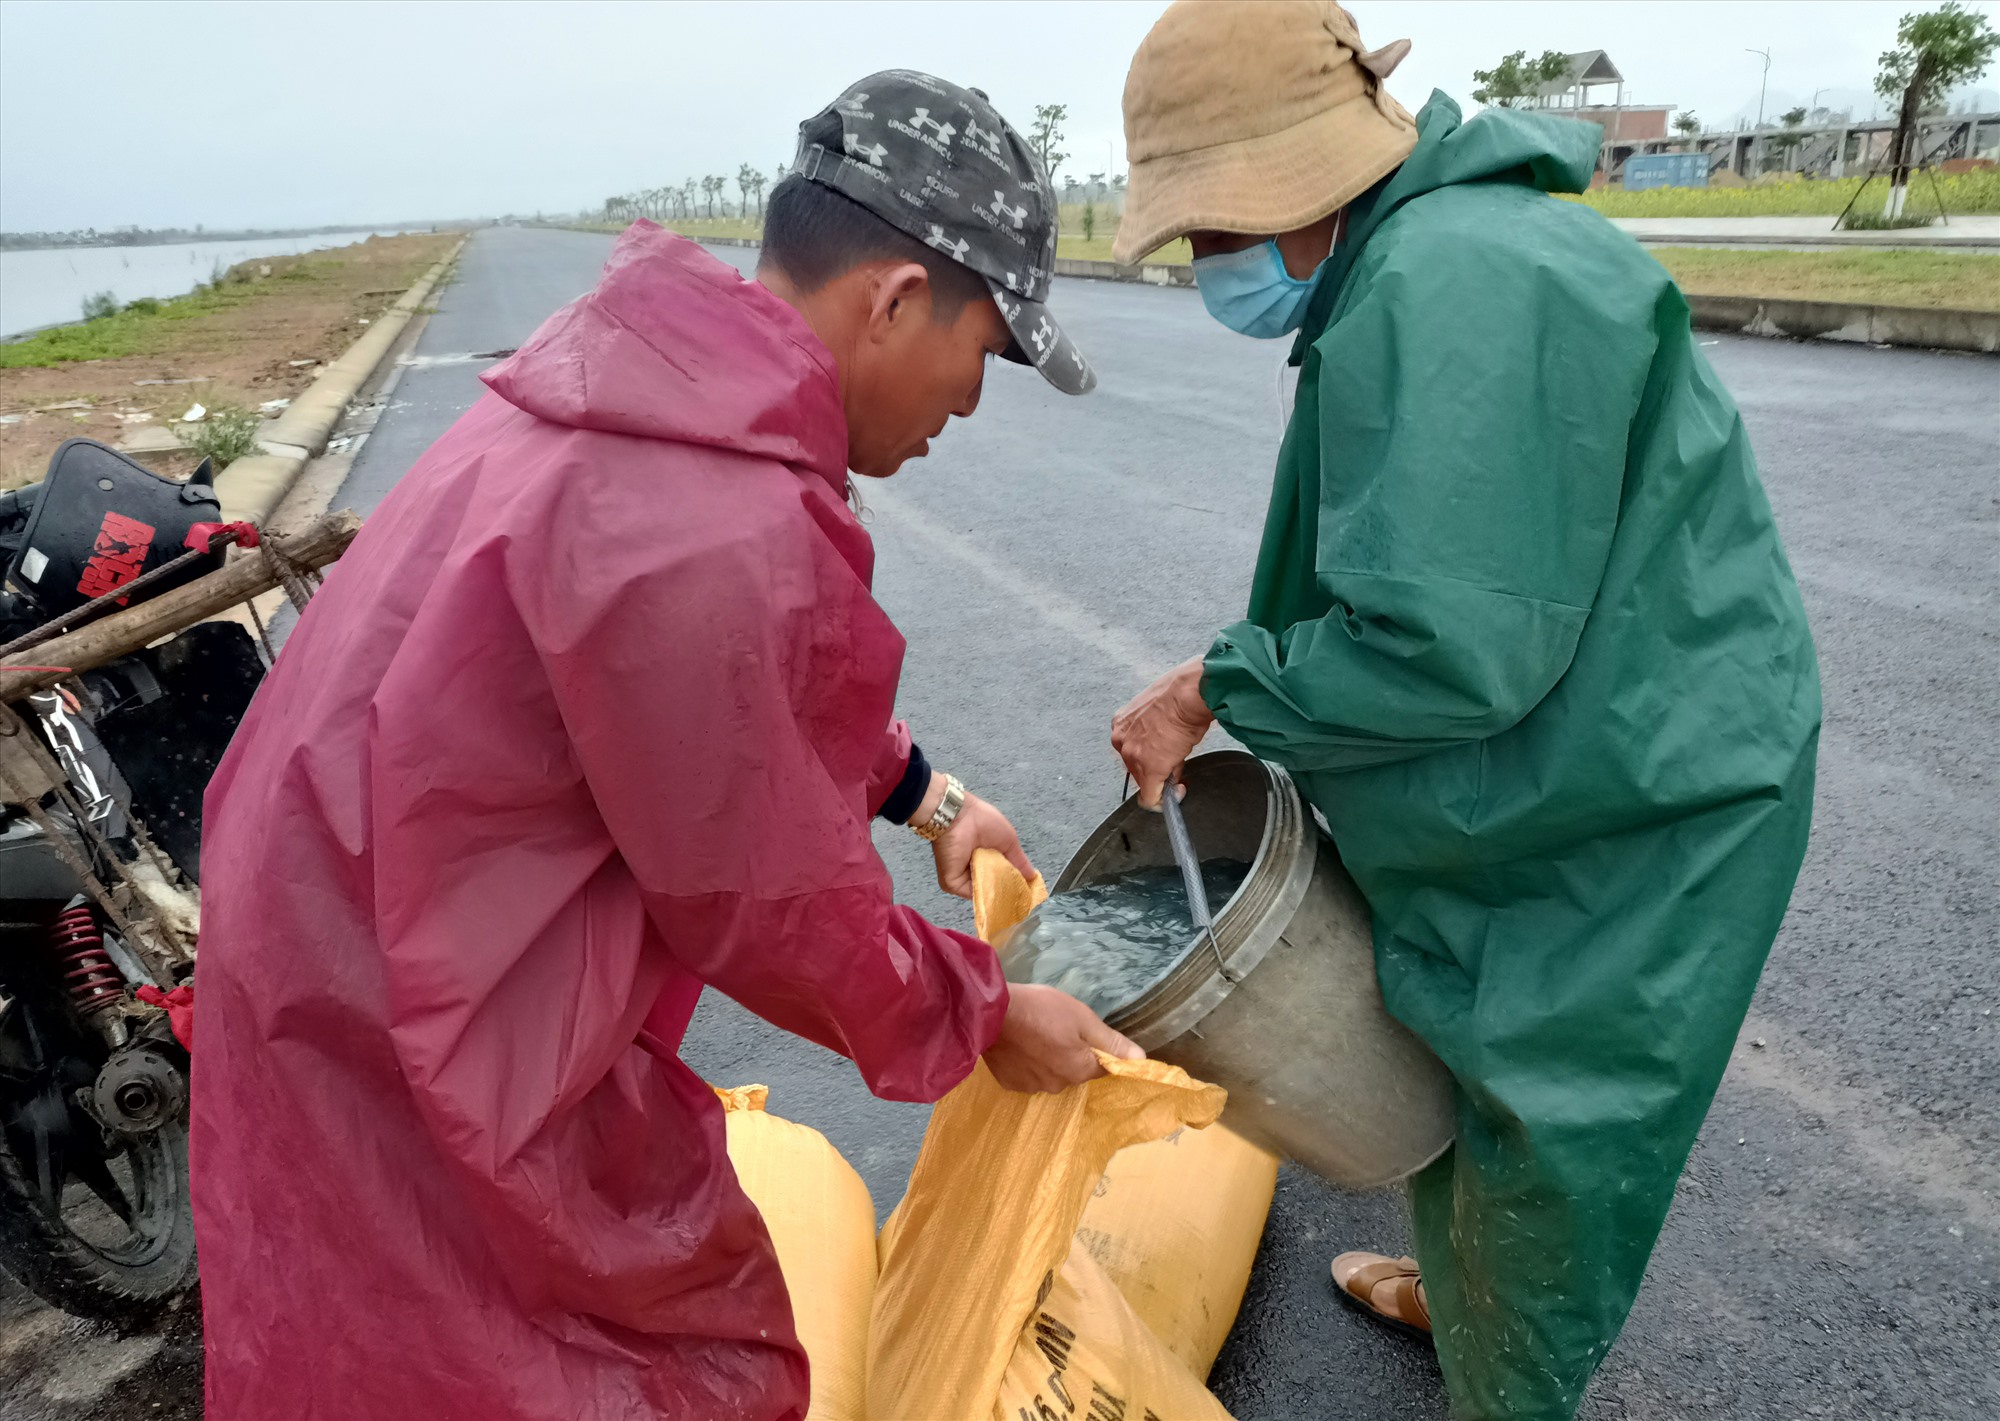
point(1190, 867)
point(1184, 857)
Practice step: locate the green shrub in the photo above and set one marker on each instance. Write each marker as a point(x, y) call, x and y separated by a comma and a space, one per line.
point(139, 329)
point(228, 434)
point(97, 307)
point(1859, 221)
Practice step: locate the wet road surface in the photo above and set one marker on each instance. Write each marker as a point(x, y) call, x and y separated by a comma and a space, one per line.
point(1834, 1249)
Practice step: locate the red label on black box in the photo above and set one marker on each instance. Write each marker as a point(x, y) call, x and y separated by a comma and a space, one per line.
point(119, 554)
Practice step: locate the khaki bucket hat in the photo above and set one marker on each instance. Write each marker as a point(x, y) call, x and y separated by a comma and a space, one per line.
point(1254, 116)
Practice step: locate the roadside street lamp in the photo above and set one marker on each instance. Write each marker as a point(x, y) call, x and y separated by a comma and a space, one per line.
point(1757, 143)
point(1764, 84)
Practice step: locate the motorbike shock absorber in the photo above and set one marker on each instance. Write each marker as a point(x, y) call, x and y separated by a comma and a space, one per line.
point(89, 975)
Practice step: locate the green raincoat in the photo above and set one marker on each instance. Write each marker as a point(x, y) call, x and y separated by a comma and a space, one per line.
point(1523, 631)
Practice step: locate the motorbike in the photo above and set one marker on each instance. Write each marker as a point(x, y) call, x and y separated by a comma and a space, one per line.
point(102, 775)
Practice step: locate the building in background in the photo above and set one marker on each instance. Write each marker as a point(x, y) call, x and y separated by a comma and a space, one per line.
point(1581, 94)
point(1828, 145)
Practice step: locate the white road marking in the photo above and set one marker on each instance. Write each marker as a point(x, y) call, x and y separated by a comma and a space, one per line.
point(1116, 643)
point(1927, 1159)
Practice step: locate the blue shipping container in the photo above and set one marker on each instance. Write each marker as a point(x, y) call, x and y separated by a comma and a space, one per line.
point(1650, 170)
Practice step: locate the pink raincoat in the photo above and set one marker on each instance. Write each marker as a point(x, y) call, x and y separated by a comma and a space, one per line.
point(594, 712)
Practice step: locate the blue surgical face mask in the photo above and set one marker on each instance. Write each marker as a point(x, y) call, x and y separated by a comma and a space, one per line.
point(1251, 292)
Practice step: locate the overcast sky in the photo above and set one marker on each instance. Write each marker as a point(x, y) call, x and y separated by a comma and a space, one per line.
point(281, 114)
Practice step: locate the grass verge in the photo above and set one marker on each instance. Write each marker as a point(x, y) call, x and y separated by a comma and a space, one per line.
point(699, 228)
point(1958, 281)
point(1962, 281)
point(1964, 193)
point(145, 327)
point(1950, 280)
point(241, 346)
point(1098, 249)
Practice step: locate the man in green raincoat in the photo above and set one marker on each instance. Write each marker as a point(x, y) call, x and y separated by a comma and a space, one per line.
point(1521, 629)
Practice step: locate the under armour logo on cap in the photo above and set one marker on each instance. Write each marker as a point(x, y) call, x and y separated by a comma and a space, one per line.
point(985, 141)
point(873, 152)
point(1017, 215)
point(943, 243)
point(922, 119)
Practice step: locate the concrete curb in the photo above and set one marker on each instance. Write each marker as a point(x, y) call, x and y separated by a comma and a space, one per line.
point(254, 485)
point(1147, 273)
point(1915, 326)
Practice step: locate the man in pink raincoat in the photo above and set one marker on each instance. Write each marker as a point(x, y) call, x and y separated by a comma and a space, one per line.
point(595, 713)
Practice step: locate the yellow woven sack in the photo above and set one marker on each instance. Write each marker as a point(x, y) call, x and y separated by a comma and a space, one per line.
point(1175, 1226)
point(1175, 1223)
point(1000, 896)
point(979, 1281)
point(986, 1307)
point(822, 1223)
point(1085, 1353)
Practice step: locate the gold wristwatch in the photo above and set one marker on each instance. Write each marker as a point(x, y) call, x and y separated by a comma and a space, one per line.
point(945, 814)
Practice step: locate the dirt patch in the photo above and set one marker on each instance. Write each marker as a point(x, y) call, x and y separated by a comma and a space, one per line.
point(261, 334)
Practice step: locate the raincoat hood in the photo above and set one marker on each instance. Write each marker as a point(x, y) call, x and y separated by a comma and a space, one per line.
point(619, 360)
point(1549, 153)
point(1497, 145)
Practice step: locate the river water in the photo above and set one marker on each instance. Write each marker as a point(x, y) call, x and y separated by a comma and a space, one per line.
point(46, 287)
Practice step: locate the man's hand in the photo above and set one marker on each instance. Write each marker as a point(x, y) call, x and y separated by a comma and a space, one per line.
point(1158, 728)
point(1046, 1042)
point(978, 826)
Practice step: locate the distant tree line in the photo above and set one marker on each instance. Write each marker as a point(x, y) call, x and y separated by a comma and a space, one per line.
point(697, 197)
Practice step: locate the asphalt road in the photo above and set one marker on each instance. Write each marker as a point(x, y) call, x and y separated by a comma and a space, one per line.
point(1832, 1249)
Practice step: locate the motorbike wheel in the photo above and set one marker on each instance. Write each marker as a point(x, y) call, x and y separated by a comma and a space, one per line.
point(101, 1226)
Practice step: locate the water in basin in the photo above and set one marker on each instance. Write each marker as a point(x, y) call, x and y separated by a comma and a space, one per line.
point(1106, 942)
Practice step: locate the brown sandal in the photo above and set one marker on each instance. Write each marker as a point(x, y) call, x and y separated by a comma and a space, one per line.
point(1386, 1289)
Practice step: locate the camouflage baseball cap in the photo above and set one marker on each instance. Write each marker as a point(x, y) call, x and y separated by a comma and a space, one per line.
point(938, 162)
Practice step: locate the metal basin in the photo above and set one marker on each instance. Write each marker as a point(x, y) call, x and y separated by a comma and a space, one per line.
point(1290, 1019)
